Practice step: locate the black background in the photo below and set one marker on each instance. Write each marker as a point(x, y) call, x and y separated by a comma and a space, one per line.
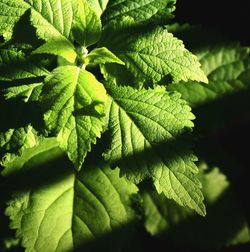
point(228, 16)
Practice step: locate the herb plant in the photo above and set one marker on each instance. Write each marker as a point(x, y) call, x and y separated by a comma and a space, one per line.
point(97, 131)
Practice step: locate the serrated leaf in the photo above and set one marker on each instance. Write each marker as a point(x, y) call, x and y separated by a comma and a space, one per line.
point(139, 11)
point(70, 209)
point(162, 216)
point(73, 102)
point(15, 65)
point(52, 20)
point(146, 128)
point(87, 25)
point(101, 56)
point(228, 71)
point(153, 56)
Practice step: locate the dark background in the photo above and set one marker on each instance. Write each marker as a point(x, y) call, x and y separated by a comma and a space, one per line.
point(231, 18)
point(228, 16)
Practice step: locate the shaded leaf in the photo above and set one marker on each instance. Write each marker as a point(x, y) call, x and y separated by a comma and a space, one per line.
point(145, 128)
point(67, 212)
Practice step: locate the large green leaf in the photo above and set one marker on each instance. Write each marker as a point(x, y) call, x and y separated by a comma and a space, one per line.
point(152, 56)
point(146, 130)
point(73, 102)
point(225, 223)
point(68, 209)
point(139, 11)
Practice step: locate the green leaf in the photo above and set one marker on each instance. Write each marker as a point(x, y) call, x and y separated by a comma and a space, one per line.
point(101, 56)
point(71, 209)
point(25, 92)
point(153, 56)
point(138, 11)
point(164, 218)
point(10, 13)
point(73, 102)
point(87, 25)
point(98, 5)
point(15, 65)
point(146, 130)
point(228, 71)
point(58, 48)
point(52, 19)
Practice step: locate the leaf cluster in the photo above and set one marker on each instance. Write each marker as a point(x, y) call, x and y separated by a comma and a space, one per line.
point(97, 132)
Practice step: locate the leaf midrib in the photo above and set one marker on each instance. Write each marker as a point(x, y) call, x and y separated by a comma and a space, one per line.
point(170, 171)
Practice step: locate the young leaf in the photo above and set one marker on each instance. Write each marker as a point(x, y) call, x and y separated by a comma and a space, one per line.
point(162, 216)
point(227, 69)
point(70, 209)
point(139, 11)
point(87, 25)
point(101, 56)
point(153, 56)
point(73, 102)
point(146, 128)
